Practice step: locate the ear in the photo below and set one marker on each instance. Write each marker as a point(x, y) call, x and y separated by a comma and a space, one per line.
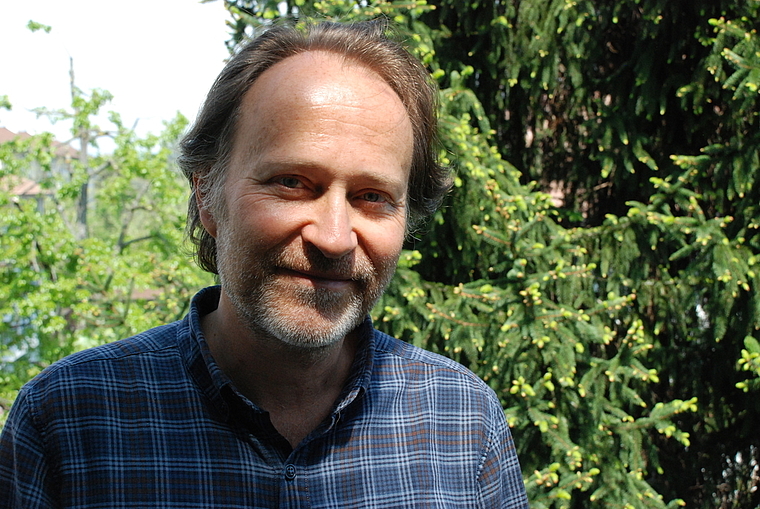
point(207, 219)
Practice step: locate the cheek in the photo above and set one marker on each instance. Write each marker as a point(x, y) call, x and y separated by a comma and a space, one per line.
point(384, 243)
point(262, 221)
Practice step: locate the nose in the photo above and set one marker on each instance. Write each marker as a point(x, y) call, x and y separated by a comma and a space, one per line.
point(330, 229)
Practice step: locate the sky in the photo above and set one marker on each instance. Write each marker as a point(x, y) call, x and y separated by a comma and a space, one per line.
point(157, 58)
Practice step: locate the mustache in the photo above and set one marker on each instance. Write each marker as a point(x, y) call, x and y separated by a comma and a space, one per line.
point(311, 261)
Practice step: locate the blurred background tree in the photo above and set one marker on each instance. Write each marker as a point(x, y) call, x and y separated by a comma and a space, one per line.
point(91, 241)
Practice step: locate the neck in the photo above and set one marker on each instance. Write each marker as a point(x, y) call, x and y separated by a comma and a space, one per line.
point(298, 386)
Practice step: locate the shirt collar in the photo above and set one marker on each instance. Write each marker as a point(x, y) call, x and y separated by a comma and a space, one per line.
point(361, 370)
point(198, 359)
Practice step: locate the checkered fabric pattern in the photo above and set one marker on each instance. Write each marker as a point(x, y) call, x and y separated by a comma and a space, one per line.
point(151, 422)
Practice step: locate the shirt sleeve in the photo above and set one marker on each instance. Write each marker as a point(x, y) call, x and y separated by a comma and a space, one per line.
point(500, 478)
point(26, 479)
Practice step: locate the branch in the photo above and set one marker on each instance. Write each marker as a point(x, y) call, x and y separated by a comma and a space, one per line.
point(451, 318)
point(124, 245)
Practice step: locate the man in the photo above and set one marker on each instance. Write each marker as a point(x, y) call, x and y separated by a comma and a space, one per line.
point(312, 154)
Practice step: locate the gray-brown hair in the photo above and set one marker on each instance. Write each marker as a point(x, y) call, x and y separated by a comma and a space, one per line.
point(205, 150)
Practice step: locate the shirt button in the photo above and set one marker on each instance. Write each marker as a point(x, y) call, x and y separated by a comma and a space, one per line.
point(290, 472)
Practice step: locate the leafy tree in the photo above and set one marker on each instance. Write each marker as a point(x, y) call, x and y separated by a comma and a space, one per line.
point(100, 256)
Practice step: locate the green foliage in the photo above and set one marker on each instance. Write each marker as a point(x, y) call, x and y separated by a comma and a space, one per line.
point(750, 361)
point(60, 291)
point(34, 26)
point(588, 95)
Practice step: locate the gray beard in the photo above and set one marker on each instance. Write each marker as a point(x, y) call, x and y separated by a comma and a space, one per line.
point(266, 306)
point(264, 315)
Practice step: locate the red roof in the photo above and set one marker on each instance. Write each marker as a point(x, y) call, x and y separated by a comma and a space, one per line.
point(20, 186)
point(6, 135)
point(61, 149)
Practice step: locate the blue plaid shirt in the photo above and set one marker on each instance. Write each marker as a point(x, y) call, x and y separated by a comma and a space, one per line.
point(151, 421)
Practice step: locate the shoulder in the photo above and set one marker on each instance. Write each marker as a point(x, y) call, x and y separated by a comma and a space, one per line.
point(406, 353)
point(398, 362)
point(107, 386)
point(140, 350)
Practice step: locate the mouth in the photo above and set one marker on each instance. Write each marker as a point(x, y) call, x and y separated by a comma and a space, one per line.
point(319, 279)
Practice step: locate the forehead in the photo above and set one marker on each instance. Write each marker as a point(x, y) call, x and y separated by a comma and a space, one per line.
point(321, 94)
point(320, 78)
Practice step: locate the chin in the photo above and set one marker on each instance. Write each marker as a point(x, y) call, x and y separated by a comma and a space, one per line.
point(305, 333)
point(307, 321)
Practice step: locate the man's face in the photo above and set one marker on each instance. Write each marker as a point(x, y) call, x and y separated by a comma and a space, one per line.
point(314, 200)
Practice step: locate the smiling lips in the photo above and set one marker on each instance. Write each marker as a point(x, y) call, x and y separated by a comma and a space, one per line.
point(319, 278)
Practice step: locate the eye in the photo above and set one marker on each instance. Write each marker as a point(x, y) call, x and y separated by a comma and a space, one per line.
point(372, 197)
point(289, 182)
